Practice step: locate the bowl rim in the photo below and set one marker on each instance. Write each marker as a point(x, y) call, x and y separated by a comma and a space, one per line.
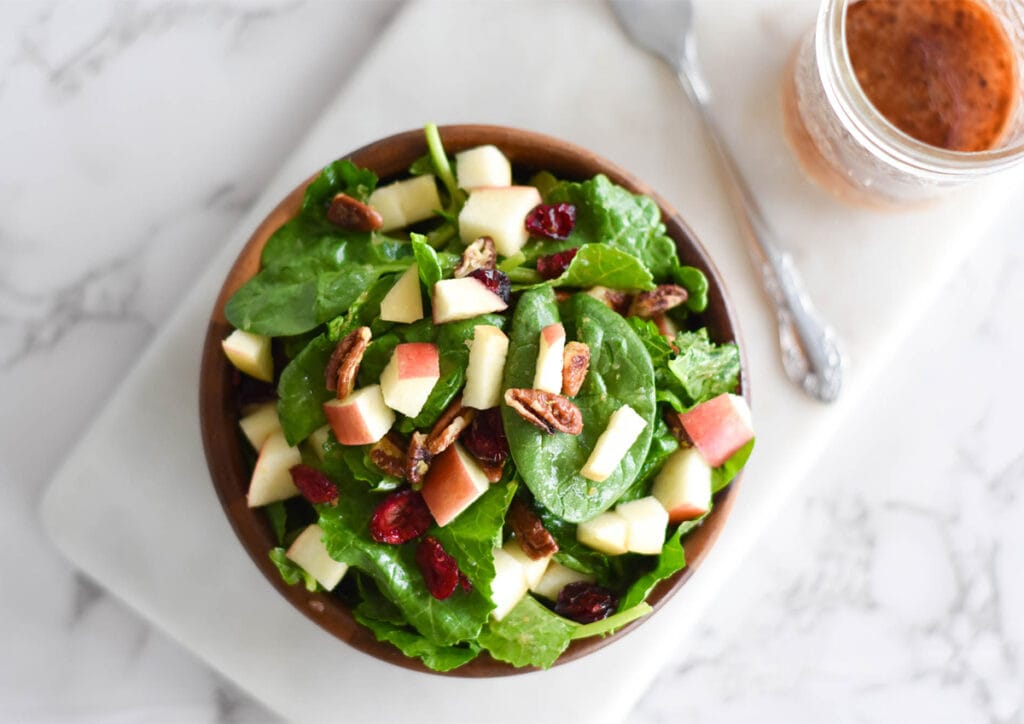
point(223, 445)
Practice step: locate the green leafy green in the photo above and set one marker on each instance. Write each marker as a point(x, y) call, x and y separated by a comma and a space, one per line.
point(724, 474)
point(619, 374)
point(471, 538)
point(705, 369)
point(593, 265)
point(301, 391)
point(426, 260)
point(438, 657)
point(670, 561)
point(614, 622)
point(278, 520)
point(291, 572)
point(528, 635)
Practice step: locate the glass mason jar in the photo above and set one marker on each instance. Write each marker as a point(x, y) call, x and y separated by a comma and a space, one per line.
point(847, 146)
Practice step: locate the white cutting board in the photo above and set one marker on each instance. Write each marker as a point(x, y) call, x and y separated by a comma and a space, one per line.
point(133, 505)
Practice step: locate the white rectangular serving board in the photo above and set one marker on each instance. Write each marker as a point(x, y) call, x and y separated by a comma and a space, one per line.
point(561, 68)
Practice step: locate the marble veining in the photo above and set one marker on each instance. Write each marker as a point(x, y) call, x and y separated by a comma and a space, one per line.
point(888, 592)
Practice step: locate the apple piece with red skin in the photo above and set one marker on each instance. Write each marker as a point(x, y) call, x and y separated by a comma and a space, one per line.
point(719, 427)
point(250, 353)
point(409, 377)
point(486, 367)
point(548, 374)
point(361, 418)
point(499, 213)
point(310, 554)
point(481, 167)
point(684, 485)
point(463, 298)
point(453, 481)
point(403, 302)
point(271, 480)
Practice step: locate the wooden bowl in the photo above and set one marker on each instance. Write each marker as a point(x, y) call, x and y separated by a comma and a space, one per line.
point(229, 469)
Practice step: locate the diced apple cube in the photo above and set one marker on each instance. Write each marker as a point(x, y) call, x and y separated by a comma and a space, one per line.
point(606, 533)
point(486, 367)
point(499, 213)
point(318, 438)
point(271, 477)
point(250, 353)
point(409, 377)
point(361, 418)
point(532, 569)
point(310, 554)
point(403, 302)
point(684, 485)
point(259, 423)
point(463, 298)
point(509, 584)
point(453, 482)
point(555, 578)
point(719, 427)
point(406, 202)
point(624, 427)
point(482, 166)
point(548, 374)
point(646, 521)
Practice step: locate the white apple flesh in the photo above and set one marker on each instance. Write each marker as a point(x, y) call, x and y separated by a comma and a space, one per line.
point(499, 213)
point(486, 367)
point(624, 427)
point(719, 427)
point(646, 522)
point(684, 485)
point(509, 584)
point(250, 353)
point(482, 166)
point(361, 418)
point(318, 438)
point(606, 533)
point(555, 578)
point(259, 423)
point(452, 483)
point(310, 554)
point(271, 479)
point(464, 298)
point(410, 376)
point(406, 202)
point(548, 374)
point(403, 302)
point(532, 569)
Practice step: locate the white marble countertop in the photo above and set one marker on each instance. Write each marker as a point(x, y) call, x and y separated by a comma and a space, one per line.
point(134, 136)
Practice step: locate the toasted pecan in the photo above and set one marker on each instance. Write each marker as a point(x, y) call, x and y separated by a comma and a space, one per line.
point(546, 410)
point(342, 368)
point(417, 460)
point(533, 537)
point(449, 426)
point(353, 215)
point(648, 305)
point(388, 454)
point(481, 254)
point(575, 361)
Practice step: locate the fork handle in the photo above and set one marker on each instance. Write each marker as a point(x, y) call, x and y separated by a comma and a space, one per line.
point(811, 354)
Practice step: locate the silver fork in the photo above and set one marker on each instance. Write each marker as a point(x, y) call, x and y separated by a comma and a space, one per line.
point(811, 354)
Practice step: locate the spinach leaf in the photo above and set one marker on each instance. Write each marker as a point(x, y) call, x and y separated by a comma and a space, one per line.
point(471, 538)
point(529, 635)
point(278, 520)
point(302, 391)
point(342, 176)
point(593, 265)
point(704, 368)
point(695, 283)
point(393, 568)
point(427, 261)
point(620, 374)
point(724, 474)
point(671, 560)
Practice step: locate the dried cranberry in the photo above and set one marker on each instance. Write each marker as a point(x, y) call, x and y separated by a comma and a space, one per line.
point(552, 265)
point(440, 571)
point(496, 281)
point(314, 485)
point(551, 221)
point(585, 602)
point(400, 517)
point(485, 437)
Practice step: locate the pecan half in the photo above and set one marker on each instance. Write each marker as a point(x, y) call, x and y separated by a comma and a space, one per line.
point(534, 538)
point(492, 471)
point(353, 215)
point(481, 254)
point(449, 426)
point(546, 410)
point(648, 305)
point(417, 460)
point(342, 368)
point(675, 426)
point(388, 454)
point(575, 361)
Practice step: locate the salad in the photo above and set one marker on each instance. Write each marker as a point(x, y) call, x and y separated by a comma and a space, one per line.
point(478, 407)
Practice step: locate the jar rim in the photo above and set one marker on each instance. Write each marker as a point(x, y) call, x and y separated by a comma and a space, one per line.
point(873, 129)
